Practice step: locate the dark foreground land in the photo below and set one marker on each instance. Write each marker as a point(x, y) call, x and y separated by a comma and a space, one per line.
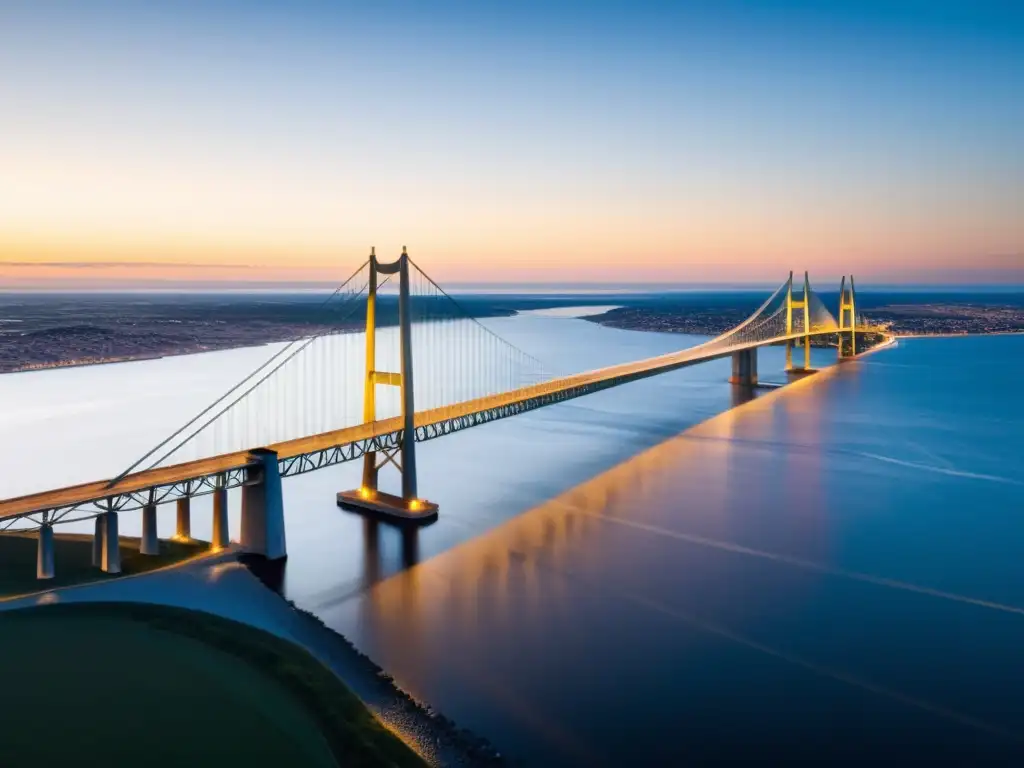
point(141, 684)
point(39, 330)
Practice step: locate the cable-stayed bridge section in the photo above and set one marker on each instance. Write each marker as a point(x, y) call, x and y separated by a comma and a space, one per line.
point(342, 396)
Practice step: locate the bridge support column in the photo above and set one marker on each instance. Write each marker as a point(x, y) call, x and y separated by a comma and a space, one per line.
point(369, 486)
point(44, 557)
point(220, 518)
point(183, 531)
point(804, 304)
point(847, 319)
point(263, 506)
point(149, 544)
point(111, 557)
point(805, 367)
point(744, 367)
point(97, 542)
point(408, 406)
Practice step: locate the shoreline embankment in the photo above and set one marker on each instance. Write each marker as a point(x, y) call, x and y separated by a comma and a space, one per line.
point(956, 335)
point(225, 585)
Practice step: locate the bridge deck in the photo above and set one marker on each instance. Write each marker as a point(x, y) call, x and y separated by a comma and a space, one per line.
point(609, 376)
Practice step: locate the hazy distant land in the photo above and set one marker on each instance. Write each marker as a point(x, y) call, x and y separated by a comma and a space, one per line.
point(40, 330)
point(906, 315)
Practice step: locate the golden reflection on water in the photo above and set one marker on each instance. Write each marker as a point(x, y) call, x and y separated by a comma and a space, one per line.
point(474, 584)
point(492, 619)
point(682, 530)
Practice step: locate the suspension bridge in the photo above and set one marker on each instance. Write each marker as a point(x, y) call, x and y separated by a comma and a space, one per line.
point(341, 396)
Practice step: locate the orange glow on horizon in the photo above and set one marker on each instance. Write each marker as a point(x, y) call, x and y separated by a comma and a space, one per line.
point(284, 151)
point(209, 234)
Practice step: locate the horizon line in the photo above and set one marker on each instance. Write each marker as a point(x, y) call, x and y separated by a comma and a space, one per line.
point(497, 286)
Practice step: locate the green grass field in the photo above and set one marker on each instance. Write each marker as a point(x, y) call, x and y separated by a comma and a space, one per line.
point(72, 557)
point(139, 684)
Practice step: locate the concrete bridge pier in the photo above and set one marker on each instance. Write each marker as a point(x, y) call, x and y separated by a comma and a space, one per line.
point(744, 367)
point(795, 369)
point(110, 560)
point(220, 518)
point(44, 558)
point(847, 345)
point(97, 542)
point(149, 544)
point(183, 531)
point(263, 506)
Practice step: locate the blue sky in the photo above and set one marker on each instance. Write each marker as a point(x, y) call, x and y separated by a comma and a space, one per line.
point(608, 141)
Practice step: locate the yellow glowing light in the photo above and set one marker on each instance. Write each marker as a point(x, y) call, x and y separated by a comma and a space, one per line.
point(364, 492)
point(414, 505)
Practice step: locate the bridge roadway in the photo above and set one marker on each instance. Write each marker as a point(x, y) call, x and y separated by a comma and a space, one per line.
point(305, 454)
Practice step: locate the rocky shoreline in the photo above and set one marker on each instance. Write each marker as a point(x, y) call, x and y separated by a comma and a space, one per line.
point(444, 741)
point(246, 589)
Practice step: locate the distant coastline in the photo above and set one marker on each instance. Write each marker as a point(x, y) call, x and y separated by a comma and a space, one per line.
point(78, 330)
point(956, 335)
point(576, 313)
point(715, 331)
point(84, 362)
point(30, 367)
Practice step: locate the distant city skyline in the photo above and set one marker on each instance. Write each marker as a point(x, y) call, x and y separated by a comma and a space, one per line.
point(603, 142)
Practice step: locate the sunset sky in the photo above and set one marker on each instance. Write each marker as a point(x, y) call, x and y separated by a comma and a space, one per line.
point(528, 141)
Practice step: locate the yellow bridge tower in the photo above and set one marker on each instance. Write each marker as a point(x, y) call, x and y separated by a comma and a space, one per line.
point(368, 498)
point(803, 303)
point(847, 318)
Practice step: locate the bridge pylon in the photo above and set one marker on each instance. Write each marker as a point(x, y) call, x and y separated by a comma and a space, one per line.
point(368, 498)
point(263, 530)
point(804, 304)
point(847, 318)
point(744, 368)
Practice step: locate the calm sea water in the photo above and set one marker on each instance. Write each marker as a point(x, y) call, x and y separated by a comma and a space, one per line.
point(831, 573)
